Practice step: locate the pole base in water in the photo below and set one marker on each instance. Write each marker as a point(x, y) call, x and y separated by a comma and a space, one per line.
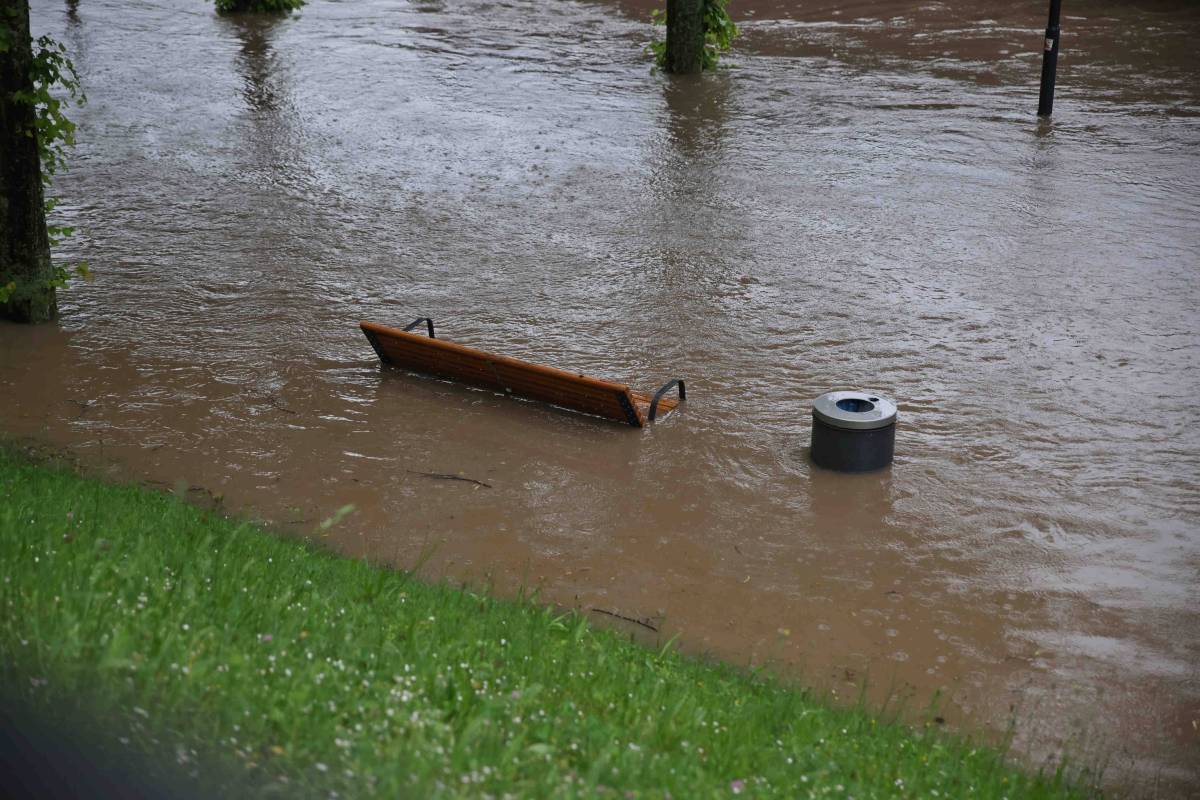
point(1050, 61)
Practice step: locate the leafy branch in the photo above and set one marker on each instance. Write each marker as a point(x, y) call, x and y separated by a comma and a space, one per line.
point(51, 69)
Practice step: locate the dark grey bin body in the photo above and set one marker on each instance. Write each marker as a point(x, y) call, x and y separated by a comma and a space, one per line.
point(851, 450)
point(853, 431)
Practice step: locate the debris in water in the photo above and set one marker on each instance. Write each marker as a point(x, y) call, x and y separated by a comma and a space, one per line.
point(444, 476)
point(634, 620)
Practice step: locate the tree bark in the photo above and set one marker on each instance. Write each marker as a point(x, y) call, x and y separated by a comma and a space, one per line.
point(24, 244)
point(685, 36)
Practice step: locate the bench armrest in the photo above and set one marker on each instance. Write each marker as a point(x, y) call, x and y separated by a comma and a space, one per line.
point(662, 391)
point(416, 323)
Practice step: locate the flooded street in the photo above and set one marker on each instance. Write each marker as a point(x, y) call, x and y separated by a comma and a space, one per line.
point(864, 199)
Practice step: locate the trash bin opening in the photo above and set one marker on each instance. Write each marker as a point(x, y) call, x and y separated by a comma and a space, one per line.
point(855, 404)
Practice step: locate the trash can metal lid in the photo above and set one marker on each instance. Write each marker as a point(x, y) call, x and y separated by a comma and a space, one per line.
point(852, 410)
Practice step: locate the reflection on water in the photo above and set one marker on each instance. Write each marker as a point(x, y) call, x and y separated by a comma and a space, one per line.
point(256, 62)
point(697, 112)
point(865, 200)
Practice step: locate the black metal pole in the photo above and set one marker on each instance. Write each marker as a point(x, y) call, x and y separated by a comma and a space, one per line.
point(1049, 61)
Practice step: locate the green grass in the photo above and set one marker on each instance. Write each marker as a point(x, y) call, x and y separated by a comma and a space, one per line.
point(212, 641)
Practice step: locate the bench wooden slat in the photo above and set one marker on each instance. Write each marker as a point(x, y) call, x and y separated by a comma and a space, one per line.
point(492, 371)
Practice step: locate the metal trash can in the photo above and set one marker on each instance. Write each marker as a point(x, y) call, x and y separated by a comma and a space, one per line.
point(853, 431)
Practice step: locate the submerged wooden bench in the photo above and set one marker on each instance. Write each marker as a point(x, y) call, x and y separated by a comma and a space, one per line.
point(428, 354)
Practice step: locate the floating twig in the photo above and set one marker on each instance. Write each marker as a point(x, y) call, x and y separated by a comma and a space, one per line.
point(445, 476)
point(274, 403)
point(634, 620)
point(84, 405)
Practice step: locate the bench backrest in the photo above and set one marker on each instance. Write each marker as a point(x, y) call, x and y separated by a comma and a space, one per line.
point(511, 375)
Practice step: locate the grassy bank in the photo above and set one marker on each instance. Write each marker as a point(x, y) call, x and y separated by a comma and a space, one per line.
point(210, 641)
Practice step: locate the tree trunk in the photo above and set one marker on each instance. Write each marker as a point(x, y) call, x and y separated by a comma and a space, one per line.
point(24, 245)
point(685, 36)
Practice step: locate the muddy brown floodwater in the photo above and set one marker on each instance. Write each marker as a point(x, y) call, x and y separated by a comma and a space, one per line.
point(863, 199)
